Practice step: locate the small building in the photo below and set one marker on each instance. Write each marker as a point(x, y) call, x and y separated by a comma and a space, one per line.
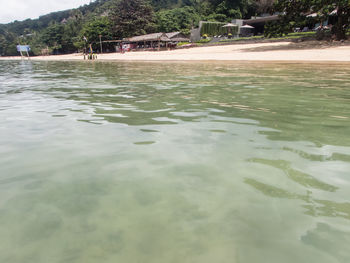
point(255, 25)
point(149, 41)
point(259, 22)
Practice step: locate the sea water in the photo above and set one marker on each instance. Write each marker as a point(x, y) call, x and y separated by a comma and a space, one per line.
point(174, 162)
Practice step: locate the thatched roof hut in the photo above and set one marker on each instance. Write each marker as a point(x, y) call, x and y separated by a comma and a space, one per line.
point(150, 37)
point(177, 37)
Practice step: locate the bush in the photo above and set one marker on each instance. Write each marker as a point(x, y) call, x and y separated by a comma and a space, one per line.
point(204, 40)
point(323, 34)
point(275, 29)
point(182, 44)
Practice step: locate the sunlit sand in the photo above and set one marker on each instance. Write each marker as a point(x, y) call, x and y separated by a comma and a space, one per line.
point(277, 51)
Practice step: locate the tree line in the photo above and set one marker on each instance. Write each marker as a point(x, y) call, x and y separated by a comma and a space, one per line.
point(70, 30)
point(65, 31)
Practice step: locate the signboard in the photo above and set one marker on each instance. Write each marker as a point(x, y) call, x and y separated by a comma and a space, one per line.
point(23, 48)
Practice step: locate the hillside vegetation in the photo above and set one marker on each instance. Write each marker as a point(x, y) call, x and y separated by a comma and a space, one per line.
point(64, 31)
point(71, 30)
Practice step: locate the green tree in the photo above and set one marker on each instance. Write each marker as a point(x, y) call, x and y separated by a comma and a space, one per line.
point(296, 11)
point(178, 19)
point(132, 17)
point(8, 42)
point(52, 36)
point(232, 8)
point(100, 26)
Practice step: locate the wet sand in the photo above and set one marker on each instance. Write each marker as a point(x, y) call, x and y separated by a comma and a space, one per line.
point(312, 51)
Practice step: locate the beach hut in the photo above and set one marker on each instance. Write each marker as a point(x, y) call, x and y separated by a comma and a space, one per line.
point(155, 40)
point(149, 41)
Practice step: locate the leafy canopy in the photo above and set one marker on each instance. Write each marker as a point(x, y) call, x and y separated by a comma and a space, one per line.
point(132, 17)
point(296, 11)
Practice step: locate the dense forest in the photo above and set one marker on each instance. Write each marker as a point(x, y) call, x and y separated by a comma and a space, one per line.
point(64, 31)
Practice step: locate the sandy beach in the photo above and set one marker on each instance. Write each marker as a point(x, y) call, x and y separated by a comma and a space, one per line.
point(311, 51)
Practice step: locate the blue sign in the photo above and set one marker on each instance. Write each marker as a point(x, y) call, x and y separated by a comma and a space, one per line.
point(23, 48)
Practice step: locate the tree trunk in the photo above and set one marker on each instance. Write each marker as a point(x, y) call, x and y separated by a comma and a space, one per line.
point(339, 29)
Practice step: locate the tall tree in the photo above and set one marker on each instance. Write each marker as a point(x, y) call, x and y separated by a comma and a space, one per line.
point(100, 26)
point(132, 17)
point(297, 10)
point(52, 36)
point(93, 30)
point(177, 19)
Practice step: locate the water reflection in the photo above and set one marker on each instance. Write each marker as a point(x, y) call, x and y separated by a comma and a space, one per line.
point(137, 94)
point(295, 175)
point(321, 238)
point(314, 207)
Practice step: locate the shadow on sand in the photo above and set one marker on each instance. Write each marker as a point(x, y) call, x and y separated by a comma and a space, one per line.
point(298, 46)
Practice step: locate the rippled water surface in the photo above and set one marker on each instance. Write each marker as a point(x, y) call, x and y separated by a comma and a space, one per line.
point(160, 163)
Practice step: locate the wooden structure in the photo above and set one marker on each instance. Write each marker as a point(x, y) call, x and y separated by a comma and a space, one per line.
point(155, 40)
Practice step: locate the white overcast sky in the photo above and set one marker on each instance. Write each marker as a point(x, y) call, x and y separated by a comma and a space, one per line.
point(11, 10)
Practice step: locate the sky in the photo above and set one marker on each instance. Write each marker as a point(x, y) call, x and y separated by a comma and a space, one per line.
point(11, 10)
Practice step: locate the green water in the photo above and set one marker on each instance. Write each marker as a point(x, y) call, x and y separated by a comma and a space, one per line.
point(160, 163)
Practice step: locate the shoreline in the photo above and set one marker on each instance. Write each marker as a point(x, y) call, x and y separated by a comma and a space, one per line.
point(276, 52)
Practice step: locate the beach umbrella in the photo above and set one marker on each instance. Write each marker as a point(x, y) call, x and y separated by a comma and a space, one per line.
point(246, 30)
point(229, 25)
point(247, 26)
point(312, 15)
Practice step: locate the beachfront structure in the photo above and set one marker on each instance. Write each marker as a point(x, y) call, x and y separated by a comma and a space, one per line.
point(258, 23)
point(154, 41)
point(213, 29)
point(157, 40)
point(253, 26)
